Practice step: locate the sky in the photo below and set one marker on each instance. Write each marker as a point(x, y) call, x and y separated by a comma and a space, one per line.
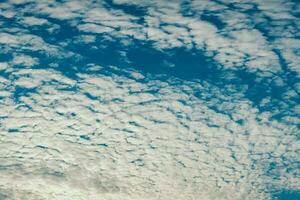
point(149, 100)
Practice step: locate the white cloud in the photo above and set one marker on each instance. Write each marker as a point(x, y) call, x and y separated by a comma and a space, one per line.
point(234, 43)
point(24, 60)
point(133, 136)
point(121, 140)
point(94, 28)
point(8, 39)
point(3, 66)
point(87, 38)
point(34, 21)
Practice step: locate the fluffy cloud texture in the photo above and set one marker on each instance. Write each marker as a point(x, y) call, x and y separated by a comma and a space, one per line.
point(75, 125)
point(114, 137)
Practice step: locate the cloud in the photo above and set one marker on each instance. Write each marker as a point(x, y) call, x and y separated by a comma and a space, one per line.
point(237, 43)
point(72, 130)
point(7, 39)
point(24, 60)
point(93, 28)
point(34, 21)
point(122, 140)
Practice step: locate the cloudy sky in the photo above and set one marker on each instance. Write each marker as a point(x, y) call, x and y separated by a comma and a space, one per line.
point(149, 100)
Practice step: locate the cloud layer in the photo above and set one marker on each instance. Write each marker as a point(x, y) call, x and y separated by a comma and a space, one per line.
point(80, 119)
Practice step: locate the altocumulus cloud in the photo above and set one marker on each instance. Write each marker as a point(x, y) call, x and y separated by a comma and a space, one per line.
point(113, 137)
point(78, 125)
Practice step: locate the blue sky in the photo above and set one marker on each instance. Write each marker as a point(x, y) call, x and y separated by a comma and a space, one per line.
point(149, 99)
